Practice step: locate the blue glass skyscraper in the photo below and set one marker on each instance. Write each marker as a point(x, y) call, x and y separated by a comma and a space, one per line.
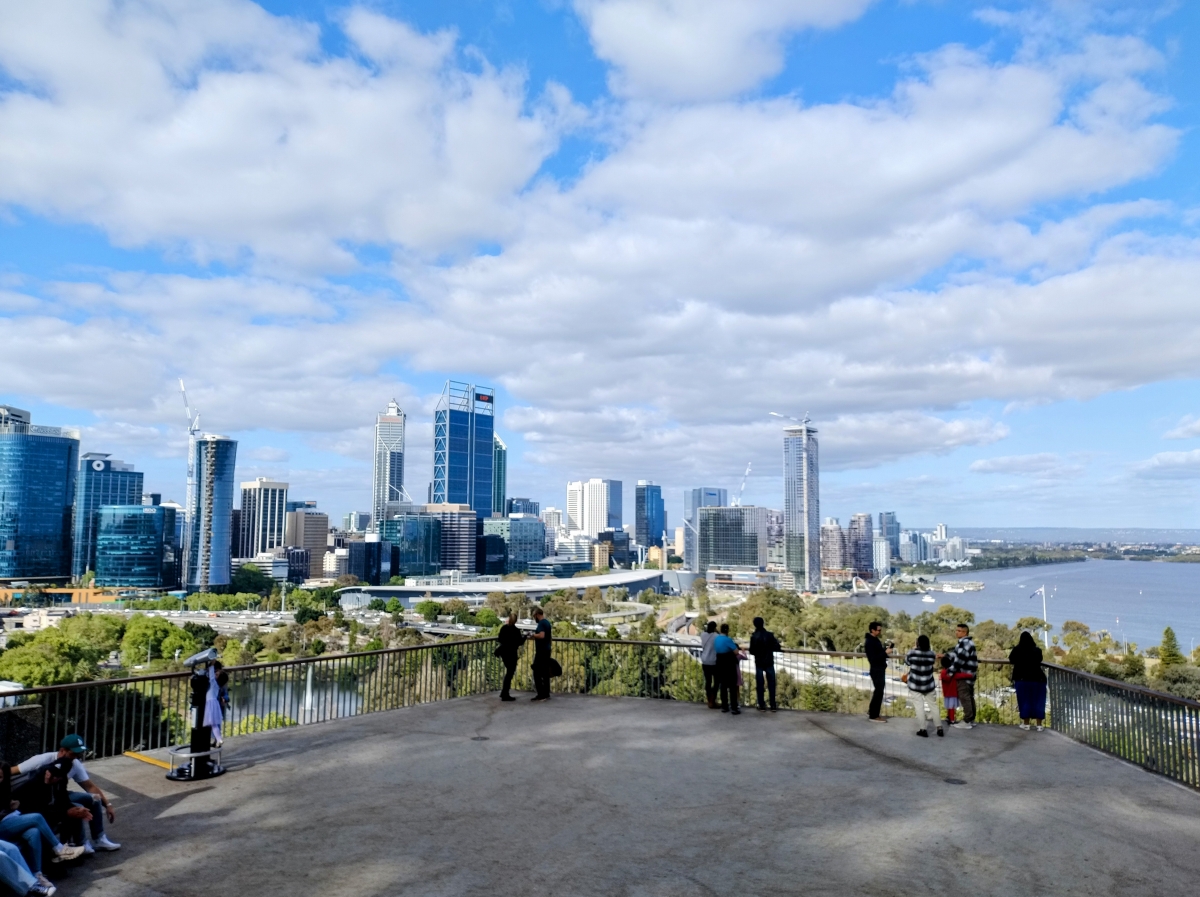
point(463, 447)
point(37, 489)
point(135, 546)
point(207, 533)
point(650, 520)
point(102, 480)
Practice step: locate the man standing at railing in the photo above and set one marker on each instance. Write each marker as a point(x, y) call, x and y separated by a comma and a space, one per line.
point(541, 657)
point(877, 657)
point(763, 646)
point(964, 664)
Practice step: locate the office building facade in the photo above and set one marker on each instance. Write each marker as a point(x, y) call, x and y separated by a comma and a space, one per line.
point(802, 507)
point(263, 518)
point(38, 466)
point(387, 481)
point(525, 539)
point(693, 501)
point(135, 546)
point(308, 528)
point(731, 537)
point(463, 448)
point(620, 548)
point(593, 506)
point(860, 538)
point(835, 564)
point(650, 514)
point(458, 534)
point(521, 506)
point(881, 556)
point(212, 462)
point(101, 480)
point(889, 528)
point(416, 540)
point(499, 474)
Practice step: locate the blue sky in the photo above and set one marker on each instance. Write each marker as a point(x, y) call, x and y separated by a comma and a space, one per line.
point(962, 236)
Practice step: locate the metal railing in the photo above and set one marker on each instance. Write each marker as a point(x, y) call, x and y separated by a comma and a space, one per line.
point(1159, 732)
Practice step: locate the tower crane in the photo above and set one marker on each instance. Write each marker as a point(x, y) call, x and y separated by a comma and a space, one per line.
point(737, 502)
point(804, 422)
point(193, 422)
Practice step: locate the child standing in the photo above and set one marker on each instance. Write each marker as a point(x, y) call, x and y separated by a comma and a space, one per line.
point(949, 690)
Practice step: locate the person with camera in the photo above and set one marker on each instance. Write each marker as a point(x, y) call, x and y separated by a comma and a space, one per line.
point(877, 657)
point(542, 661)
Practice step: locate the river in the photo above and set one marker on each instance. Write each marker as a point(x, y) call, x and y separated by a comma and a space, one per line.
point(1134, 600)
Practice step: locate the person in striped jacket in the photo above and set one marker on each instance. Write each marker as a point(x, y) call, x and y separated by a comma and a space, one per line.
point(923, 686)
point(964, 663)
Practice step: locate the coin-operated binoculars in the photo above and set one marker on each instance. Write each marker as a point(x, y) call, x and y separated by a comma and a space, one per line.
point(200, 759)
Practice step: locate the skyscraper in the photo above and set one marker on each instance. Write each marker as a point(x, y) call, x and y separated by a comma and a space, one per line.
point(387, 484)
point(499, 474)
point(593, 506)
point(308, 528)
point(735, 537)
point(264, 516)
point(211, 463)
point(101, 481)
point(463, 448)
point(882, 550)
point(521, 506)
point(889, 528)
point(834, 551)
point(650, 514)
point(135, 546)
point(861, 539)
point(459, 525)
point(802, 506)
point(37, 488)
point(693, 501)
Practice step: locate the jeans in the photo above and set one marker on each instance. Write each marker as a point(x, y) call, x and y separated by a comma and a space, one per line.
point(877, 680)
point(966, 698)
point(13, 871)
point(92, 804)
point(510, 667)
point(920, 702)
point(727, 669)
point(28, 831)
point(541, 675)
point(768, 673)
point(711, 680)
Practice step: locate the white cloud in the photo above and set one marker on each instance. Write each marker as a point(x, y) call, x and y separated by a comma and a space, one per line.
point(1170, 466)
point(1187, 428)
point(1043, 465)
point(701, 49)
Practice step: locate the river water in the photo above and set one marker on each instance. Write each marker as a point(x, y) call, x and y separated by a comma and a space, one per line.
point(1134, 600)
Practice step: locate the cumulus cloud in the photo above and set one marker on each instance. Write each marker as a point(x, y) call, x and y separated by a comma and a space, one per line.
point(1043, 465)
point(701, 49)
point(1187, 428)
point(1170, 466)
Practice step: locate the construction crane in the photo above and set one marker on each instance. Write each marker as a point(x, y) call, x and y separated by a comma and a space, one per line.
point(804, 422)
point(737, 502)
point(193, 422)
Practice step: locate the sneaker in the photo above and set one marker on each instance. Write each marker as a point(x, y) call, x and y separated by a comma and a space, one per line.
point(1040, 728)
point(1024, 726)
point(774, 709)
point(922, 733)
point(507, 698)
point(41, 890)
point(88, 848)
point(65, 852)
point(877, 719)
point(102, 843)
point(963, 726)
point(44, 882)
point(762, 708)
point(941, 732)
point(735, 712)
point(537, 698)
point(724, 709)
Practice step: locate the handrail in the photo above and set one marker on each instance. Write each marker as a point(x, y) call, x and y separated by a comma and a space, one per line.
point(1126, 686)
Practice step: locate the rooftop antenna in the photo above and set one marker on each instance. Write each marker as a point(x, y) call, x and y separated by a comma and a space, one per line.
point(737, 502)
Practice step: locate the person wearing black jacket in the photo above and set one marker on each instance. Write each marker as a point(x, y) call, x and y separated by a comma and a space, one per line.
point(877, 657)
point(510, 646)
point(763, 646)
point(45, 793)
point(1029, 680)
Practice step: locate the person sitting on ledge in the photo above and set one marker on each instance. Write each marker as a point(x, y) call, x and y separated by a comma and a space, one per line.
point(90, 799)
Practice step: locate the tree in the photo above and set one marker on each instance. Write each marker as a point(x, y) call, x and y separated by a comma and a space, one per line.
point(307, 614)
point(377, 604)
point(486, 617)
point(203, 634)
point(249, 578)
point(396, 581)
point(428, 609)
point(1168, 652)
point(103, 631)
point(394, 605)
point(345, 581)
point(50, 657)
point(149, 637)
point(458, 609)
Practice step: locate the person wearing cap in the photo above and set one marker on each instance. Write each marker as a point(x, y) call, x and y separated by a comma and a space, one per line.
point(90, 799)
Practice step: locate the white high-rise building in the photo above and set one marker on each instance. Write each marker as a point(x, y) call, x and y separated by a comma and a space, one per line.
point(263, 517)
point(802, 506)
point(387, 485)
point(881, 550)
point(593, 506)
point(939, 532)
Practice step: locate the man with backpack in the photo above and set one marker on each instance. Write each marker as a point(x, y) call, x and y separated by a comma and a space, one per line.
point(763, 646)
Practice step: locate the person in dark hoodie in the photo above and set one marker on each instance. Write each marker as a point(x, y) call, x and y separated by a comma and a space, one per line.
point(510, 639)
point(1029, 680)
point(44, 794)
point(877, 658)
point(763, 646)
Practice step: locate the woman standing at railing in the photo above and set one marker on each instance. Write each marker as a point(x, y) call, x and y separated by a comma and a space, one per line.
point(923, 685)
point(1029, 680)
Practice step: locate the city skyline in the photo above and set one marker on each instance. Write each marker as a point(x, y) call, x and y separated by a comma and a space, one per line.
point(943, 170)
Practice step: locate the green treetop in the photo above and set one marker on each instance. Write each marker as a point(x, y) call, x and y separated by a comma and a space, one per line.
point(1168, 652)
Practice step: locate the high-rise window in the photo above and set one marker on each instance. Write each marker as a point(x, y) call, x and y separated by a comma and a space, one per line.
point(102, 480)
point(463, 447)
point(693, 501)
point(135, 546)
point(263, 517)
point(650, 521)
point(732, 537)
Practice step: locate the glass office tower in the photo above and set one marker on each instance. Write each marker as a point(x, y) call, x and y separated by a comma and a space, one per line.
point(102, 480)
point(387, 485)
point(37, 489)
point(416, 541)
point(463, 447)
point(693, 501)
point(802, 507)
point(650, 521)
point(499, 474)
point(732, 537)
point(208, 533)
point(135, 546)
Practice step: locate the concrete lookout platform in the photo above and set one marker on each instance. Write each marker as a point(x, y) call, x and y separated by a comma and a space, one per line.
point(623, 796)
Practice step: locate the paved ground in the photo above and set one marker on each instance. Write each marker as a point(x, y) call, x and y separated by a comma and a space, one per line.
point(620, 796)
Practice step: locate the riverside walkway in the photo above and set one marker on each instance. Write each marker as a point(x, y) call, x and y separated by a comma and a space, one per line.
point(588, 795)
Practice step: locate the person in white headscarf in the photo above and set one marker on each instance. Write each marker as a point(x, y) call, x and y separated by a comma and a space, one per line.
point(213, 715)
